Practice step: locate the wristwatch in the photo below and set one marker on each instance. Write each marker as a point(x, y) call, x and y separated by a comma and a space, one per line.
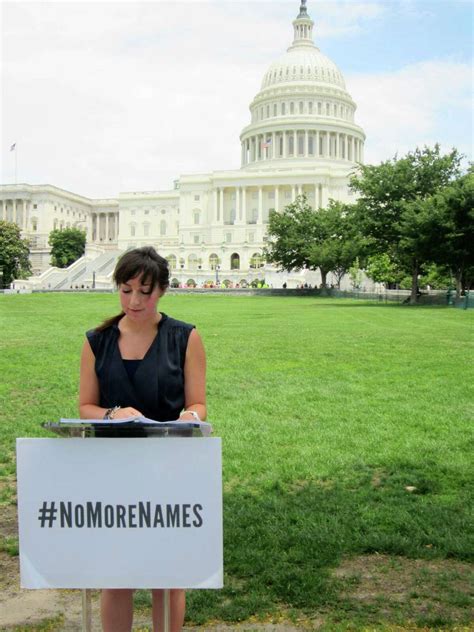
point(110, 412)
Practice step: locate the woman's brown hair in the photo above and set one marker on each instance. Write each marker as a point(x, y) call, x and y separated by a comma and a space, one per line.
point(145, 263)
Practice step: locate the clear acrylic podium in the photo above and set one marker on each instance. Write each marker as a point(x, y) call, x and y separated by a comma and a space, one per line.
point(86, 429)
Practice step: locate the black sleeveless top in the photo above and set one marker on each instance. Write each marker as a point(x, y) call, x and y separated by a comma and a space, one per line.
point(157, 387)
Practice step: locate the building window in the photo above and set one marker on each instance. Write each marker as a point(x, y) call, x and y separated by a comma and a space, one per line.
point(197, 198)
point(256, 260)
point(310, 107)
point(146, 229)
point(171, 259)
point(311, 145)
point(196, 239)
point(271, 195)
point(162, 228)
point(163, 211)
point(301, 107)
point(132, 212)
point(283, 108)
point(292, 108)
point(235, 261)
point(196, 217)
point(291, 145)
point(132, 230)
point(147, 212)
point(300, 144)
point(251, 237)
point(319, 108)
point(213, 261)
point(275, 109)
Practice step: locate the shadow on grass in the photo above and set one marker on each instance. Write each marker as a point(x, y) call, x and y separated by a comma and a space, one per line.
point(281, 543)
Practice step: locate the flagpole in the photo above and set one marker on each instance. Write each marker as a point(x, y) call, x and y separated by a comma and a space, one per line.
point(16, 163)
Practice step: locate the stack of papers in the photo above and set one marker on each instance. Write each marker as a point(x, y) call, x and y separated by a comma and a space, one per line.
point(203, 426)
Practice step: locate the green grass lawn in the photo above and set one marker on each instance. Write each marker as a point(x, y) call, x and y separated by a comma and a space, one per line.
point(328, 409)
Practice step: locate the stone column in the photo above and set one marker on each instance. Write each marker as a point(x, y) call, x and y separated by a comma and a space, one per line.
point(243, 210)
point(361, 151)
point(237, 204)
point(295, 144)
point(24, 215)
point(316, 149)
point(306, 148)
point(273, 145)
point(14, 217)
point(316, 203)
point(277, 198)
point(215, 200)
point(260, 205)
point(107, 228)
point(221, 206)
point(337, 146)
point(117, 225)
point(293, 193)
point(243, 154)
point(4, 211)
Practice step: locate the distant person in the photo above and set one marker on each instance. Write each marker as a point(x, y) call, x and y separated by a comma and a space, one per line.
point(284, 285)
point(142, 362)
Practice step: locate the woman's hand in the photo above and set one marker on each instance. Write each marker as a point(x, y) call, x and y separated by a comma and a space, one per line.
point(128, 411)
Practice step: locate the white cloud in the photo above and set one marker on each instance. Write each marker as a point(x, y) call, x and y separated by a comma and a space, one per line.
point(419, 104)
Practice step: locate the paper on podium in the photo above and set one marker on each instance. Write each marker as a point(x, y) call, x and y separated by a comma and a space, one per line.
point(204, 427)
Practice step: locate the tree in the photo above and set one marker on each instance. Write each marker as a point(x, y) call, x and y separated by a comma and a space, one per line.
point(66, 246)
point(14, 254)
point(455, 203)
point(381, 269)
point(395, 212)
point(303, 238)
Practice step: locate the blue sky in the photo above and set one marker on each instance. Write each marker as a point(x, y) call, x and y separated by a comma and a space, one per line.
point(106, 97)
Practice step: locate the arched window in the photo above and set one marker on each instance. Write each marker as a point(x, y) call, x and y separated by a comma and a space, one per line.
point(256, 260)
point(133, 228)
point(283, 108)
point(235, 261)
point(171, 259)
point(162, 227)
point(192, 262)
point(213, 261)
point(55, 224)
point(292, 108)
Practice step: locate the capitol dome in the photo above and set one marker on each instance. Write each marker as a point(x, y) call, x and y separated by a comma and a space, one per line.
point(303, 111)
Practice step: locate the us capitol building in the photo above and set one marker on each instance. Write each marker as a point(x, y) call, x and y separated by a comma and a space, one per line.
point(301, 138)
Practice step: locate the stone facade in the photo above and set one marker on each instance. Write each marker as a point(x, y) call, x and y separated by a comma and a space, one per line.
point(302, 138)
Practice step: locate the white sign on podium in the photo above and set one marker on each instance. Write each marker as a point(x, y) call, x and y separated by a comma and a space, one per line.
point(120, 513)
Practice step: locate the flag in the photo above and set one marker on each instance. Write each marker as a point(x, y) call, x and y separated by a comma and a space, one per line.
point(266, 143)
point(13, 147)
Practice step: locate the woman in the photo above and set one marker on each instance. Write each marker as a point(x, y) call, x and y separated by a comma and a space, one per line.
point(141, 362)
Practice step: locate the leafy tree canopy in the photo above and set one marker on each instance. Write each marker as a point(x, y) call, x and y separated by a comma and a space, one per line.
point(301, 237)
point(14, 254)
point(67, 246)
point(396, 211)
